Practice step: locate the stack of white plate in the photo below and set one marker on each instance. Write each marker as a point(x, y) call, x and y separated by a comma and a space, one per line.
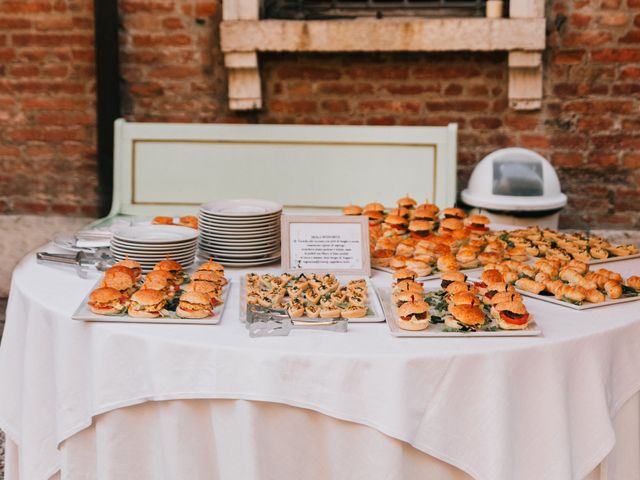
point(243, 232)
point(148, 244)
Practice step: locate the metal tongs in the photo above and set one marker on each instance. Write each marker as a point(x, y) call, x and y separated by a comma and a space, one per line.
point(271, 322)
point(101, 260)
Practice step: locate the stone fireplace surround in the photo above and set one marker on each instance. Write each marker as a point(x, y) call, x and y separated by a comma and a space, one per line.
point(243, 34)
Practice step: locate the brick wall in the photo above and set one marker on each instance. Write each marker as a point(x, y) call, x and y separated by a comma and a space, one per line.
point(47, 112)
point(172, 70)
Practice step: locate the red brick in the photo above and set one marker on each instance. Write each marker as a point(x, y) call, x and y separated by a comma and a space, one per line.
point(146, 89)
point(602, 159)
point(335, 106)
point(14, 23)
point(616, 55)
point(161, 40)
point(567, 159)
point(458, 106)
point(568, 57)
point(46, 135)
point(595, 123)
point(54, 23)
point(298, 106)
point(636, 21)
point(174, 72)
point(172, 23)
point(610, 4)
point(66, 119)
point(614, 19)
point(630, 73)
point(388, 120)
point(486, 123)
point(411, 89)
point(385, 73)
point(633, 3)
point(453, 89)
point(632, 160)
point(580, 20)
point(206, 9)
point(7, 54)
point(7, 151)
point(388, 106)
point(64, 209)
point(310, 73)
point(535, 141)
point(54, 104)
point(446, 72)
point(129, 6)
point(521, 121)
point(24, 6)
point(600, 106)
point(39, 151)
point(626, 89)
point(588, 38)
point(24, 71)
point(51, 40)
point(631, 37)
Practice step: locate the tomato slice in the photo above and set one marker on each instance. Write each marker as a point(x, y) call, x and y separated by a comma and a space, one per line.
point(518, 320)
point(478, 228)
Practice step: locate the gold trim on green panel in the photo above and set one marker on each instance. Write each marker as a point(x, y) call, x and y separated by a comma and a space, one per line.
point(433, 146)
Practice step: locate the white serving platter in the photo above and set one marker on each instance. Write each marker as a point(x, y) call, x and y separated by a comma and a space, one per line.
point(241, 207)
point(83, 313)
point(428, 277)
point(584, 306)
point(203, 255)
point(614, 259)
point(372, 293)
point(242, 224)
point(156, 234)
point(436, 330)
point(154, 247)
point(247, 231)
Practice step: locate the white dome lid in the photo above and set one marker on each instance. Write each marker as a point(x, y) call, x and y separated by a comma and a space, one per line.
point(514, 179)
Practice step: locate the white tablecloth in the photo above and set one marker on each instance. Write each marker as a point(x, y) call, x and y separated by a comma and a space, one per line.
point(525, 408)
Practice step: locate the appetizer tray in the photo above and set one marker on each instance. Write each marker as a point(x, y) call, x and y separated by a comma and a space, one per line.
point(614, 259)
point(375, 313)
point(429, 277)
point(437, 329)
point(584, 305)
point(84, 313)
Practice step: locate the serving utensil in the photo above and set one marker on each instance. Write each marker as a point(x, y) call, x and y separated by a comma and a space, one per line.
point(271, 322)
point(101, 260)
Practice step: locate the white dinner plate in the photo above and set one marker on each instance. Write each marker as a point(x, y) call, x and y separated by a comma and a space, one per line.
point(241, 207)
point(225, 236)
point(246, 255)
point(116, 246)
point(224, 230)
point(156, 234)
point(249, 263)
point(252, 248)
point(153, 248)
point(240, 244)
point(240, 223)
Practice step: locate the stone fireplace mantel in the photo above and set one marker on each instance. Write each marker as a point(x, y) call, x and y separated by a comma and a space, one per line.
point(522, 35)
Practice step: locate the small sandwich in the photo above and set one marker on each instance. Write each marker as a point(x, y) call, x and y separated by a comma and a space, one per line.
point(529, 285)
point(420, 229)
point(212, 266)
point(121, 278)
point(519, 254)
point(486, 258)
point(463, 298)
point(396, 224)
point(354, 311)
point(478, 223)
point(162, 221)
point(194, 305)
point(426, 211)
point(374, 207)
point(401, 212)
point(398, 261)
point(467, 257)
point(487, 277)
point(209, 289)
point(633, 282)
point(209, 276)
point(189, 221)
point(173, 267)
point(146, 303)
point(449, 225)
point(449, 277)
point(381, 258)
point(464, 317)
point(447, 263)
point(421, 267)
point(407, 202)
point(405, 249)
point(404, 296)
point(107, 301)
point(454, 213)
point(457, 287)
point(296, 309)
point(404, 274)
point(161, 281)
point(413, 316)
point(408, 286)
point(135, 267)
point(510, 315)
point(352, 210)
point(375, 217)
point(493, 289)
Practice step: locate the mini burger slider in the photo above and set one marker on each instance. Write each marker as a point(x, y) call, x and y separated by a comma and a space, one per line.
point(413, 315)
point(146, 303)
point(107, 301)
point(420, 229)
point(352, 210)
point(478, 223)
point(375, 217)
point(454, 213)
point(173, 268)
point(396, 223)
point(464, 317)
point(194, 305)
point(407, 202)
point(449, 277)
point(510, 315)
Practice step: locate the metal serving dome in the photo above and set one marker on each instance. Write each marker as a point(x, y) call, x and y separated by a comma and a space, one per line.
point(514, 179)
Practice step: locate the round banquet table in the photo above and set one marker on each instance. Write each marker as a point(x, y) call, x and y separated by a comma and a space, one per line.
point(118, 401)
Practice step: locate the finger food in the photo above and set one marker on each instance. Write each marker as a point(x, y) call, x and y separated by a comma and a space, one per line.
point(422, 269)
point(407, 202)
point(404, 274)
point(194, 305)
point(634, 282)
point(374, 207)
point(511, 315)
point(375, 217)
point(477, 223)
point(420, 229)
point(464, 317)
point(162, 221)
point(381, 258)
point(212, 266)
point(146, 303)
point(107, 301)
point(413, 315)
point(397, 224)
point(352, 210)
point(530, 285)
point(189, 221)
point(354, 311)
point(457, 213)
point(135, 267)
point(121, 278)
point(209, 276)
point(173, 267)
point(447, 263)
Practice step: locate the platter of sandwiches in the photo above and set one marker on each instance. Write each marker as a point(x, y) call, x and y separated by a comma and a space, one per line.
point(313, 295)
point(167, 294)
point(460, 308)
point(569, 283)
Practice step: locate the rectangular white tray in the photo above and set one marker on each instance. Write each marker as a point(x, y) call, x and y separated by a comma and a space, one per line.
point(374, 302)
point(614, 259)
point(584, 306)
point(428, 277)
point(84, 313)
point(435, 330)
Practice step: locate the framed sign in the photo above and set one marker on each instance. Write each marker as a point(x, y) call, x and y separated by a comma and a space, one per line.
point(332, 244)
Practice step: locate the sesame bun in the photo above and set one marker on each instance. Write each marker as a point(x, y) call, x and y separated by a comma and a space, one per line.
point(466, 255)
point(374, 207)
point(403, 274)
point(467, 314)
point(352, 210)
point(212, 266)
point(421, 267)
point(515, 307)
point(507, 323)
point(395, 220)
point(202, 287)
point(492, 276)
point(421, 225)
point(405, 296)
point(414, 324)
point(453, 213)
point(478, 220)
point(451, 224)
point(407, 202)
point(119, 277)
point(463, 298)
point(168, 265)
point(104, 295)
